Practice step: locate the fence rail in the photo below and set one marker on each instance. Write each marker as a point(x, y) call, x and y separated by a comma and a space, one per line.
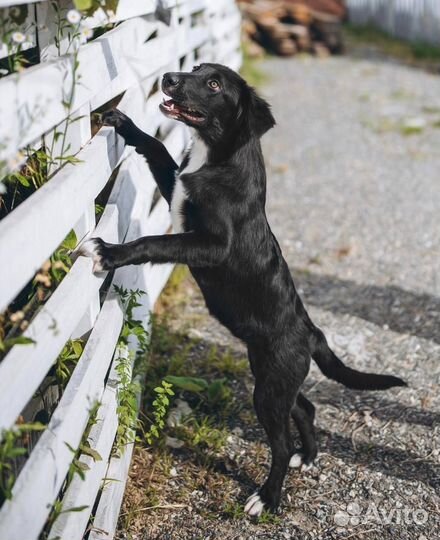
point(416, 20)
point(127, 60)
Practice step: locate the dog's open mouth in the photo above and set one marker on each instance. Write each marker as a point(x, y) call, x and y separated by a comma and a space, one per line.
point(177, 111)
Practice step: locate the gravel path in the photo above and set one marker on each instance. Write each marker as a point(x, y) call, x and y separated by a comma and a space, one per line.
point(354, 198)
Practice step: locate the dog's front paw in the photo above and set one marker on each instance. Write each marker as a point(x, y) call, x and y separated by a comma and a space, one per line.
point(115, 118)
point(100, 252)
point(122, 124)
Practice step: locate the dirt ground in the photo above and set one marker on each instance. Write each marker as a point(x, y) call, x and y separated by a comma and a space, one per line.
point(353, 197)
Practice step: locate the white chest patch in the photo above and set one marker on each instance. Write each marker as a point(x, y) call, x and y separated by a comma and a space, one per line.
point(197, 158)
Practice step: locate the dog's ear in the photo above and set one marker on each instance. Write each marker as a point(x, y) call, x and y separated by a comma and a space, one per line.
point(259, 114)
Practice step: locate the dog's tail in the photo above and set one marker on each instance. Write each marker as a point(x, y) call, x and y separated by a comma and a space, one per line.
point(333, 368)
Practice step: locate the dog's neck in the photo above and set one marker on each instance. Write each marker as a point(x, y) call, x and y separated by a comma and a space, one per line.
point(224, 144)
point(198, 153)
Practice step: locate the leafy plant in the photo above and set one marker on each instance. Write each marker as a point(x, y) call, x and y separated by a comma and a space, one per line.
point(6, 344)
point(67, 360)
point(60, 260)
point(13, 36)
point(54, 270)
point(215, 391)
point(160, 409)
point(129, 388)
point(11, 448)
point(57, 511)
point(191, 384)
point(127, 410)
point(90, 6)
point(77, 466)
point(201, 434)
point(133, 327)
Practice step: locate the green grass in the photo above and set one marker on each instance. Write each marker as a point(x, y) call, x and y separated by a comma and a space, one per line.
point(251, 70)
point(416, 53)
point(385, 125)
point(411, 130)
point(431, 110)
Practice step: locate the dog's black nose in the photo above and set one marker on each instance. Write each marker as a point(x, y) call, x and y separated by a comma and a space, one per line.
point(170, 79)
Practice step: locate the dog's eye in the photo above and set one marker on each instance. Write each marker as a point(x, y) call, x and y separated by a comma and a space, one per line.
point(215, 85)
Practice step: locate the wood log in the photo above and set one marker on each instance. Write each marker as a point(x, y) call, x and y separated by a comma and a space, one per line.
point(285, 47)
point(253, 49)
point(300, 34)
point(249, 28)
point(330, 33)
point(330, 7)
point(300, 13)
point(288, 26)
point(321, 50)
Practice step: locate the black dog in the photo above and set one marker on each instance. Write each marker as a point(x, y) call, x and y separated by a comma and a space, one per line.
point(217, 200)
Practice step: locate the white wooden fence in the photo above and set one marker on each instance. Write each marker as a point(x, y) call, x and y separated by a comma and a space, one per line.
point(129, 58)
point(416, 20)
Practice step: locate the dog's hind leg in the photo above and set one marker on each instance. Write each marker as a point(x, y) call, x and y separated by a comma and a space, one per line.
point(303, 413)
point(273, 400)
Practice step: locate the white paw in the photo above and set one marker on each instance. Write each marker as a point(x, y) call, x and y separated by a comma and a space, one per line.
point(297, 462)
point(89, 248)
point(307, 466)
point(254, 505)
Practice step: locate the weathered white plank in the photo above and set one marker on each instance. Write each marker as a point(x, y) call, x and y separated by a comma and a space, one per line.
point(72, 525)
point(84, 387)
point(114, 480)
point(34, 230)
point(107, 513)
point(117, 61)
point(127, 9)
point(25, 366)
point(227, 25)
point(7, 3)
point(151, 279)
point(130, 200)
point(234, 61)
point(63, 310)
point(227, 51)
point(31, 102)
point(40, 481)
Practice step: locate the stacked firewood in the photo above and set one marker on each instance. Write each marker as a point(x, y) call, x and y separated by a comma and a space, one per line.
point(287, 27)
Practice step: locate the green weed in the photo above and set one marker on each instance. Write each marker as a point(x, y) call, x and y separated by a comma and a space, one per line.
point(12, 446)
point(251, 70)
point(420, 54)
point(67, 360)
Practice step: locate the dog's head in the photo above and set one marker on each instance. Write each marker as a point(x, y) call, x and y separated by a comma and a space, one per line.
point(217, 102)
